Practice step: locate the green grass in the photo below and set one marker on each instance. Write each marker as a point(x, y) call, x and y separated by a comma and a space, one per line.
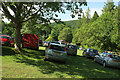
point(31, 64)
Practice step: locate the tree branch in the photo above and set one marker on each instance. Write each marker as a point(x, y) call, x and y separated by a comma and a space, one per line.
point(13, 8)
point(7, 13)
point(32, 16)
point(27, 12)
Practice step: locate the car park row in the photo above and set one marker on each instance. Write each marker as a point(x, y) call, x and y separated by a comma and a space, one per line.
point(58, 50)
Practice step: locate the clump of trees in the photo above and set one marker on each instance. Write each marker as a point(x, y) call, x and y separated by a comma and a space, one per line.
point(100, 32)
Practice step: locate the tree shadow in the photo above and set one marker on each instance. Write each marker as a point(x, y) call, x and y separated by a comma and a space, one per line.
point(75, 66)
point(8, 51)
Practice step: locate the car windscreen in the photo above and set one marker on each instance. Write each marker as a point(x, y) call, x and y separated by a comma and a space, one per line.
point(115, 57)
point(56, 47)
point(72, 46)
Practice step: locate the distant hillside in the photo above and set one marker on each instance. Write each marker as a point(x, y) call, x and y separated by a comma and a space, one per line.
point(71, 23)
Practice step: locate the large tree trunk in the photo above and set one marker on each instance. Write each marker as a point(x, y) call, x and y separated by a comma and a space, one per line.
point(17, 36)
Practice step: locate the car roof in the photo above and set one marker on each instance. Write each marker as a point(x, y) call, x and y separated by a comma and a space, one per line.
point(57, 44)
point(90, 49)
point(5, 35)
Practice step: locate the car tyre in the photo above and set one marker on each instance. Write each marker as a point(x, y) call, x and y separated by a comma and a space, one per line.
point(63, 62)
point(104, 64)
point(94, 59)
point(83, 55)
point(45, 59)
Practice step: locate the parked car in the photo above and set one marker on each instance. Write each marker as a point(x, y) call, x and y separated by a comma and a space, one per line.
point(45, 43)
point(82, 48)
point(40, 42)
point(71, 49)
point(91, 53)
point(58, 42)
point(56, 52)
point(5, 40)
point(30, 41)
point(108, 59)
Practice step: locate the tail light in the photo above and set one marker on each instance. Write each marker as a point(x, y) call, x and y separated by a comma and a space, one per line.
point(109, 56)
point(88, 52)
point(50, 47)
point(64, 49)
point(4, 39)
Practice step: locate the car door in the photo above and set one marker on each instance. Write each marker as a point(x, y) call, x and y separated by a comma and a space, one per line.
point(100, 58)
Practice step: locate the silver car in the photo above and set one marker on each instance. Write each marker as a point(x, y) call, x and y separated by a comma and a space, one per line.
point(56, 51)
point(108, 59)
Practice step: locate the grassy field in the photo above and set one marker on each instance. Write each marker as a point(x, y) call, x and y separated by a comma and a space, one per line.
point(31, 64)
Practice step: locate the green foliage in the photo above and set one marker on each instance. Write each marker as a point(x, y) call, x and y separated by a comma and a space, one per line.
point(50, 38)
point(108, 7)
point(8, 28)
point(65, 34)
point(95, 16)
point(101, 33)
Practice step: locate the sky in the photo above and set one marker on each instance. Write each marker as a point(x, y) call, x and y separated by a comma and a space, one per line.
point(94, 5)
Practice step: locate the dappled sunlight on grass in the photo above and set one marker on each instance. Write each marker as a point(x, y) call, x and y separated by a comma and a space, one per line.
point(75, 67)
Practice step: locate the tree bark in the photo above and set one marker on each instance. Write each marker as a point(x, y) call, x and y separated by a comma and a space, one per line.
point(18, 36)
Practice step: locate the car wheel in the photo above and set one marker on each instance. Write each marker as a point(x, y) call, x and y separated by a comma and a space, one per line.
point(75, 55)
point(9, 45)
point(94, 59)
point(63, 62)
point(104, 64)
point(37, 48)
point(45, 59)
point(83, 55)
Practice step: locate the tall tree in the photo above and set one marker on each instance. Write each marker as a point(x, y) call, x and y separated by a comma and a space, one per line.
point(95, 16)
point(8, 28)
point(44, 11)
point(109, 6)
point(88, 16)
point(65, 34)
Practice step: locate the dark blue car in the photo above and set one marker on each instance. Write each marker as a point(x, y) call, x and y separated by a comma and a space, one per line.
point(91, 53)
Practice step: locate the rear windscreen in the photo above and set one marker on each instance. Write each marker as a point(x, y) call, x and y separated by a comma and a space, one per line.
point(92, 50)
point(56, 47)
point(4, 37)
point(72, 46)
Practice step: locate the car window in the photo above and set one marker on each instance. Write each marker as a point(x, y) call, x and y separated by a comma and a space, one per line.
point(92, 50)
point(101, 54)
point(95, 51)
point(4, 37)
point(56, 47)
point(104, 55)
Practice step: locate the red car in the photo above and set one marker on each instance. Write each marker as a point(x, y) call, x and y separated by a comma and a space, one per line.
point(6, 40)
point(30, 41)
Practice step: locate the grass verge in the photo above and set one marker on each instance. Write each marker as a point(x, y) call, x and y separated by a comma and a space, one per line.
point(31, 64)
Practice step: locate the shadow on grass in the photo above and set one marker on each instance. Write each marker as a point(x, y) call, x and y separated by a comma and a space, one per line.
point(75, 66)
point(7, 51)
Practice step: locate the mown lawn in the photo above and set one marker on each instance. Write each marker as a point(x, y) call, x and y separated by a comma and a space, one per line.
point(31, 64)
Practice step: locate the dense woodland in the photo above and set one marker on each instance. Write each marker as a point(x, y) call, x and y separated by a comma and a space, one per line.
point(100, 32)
